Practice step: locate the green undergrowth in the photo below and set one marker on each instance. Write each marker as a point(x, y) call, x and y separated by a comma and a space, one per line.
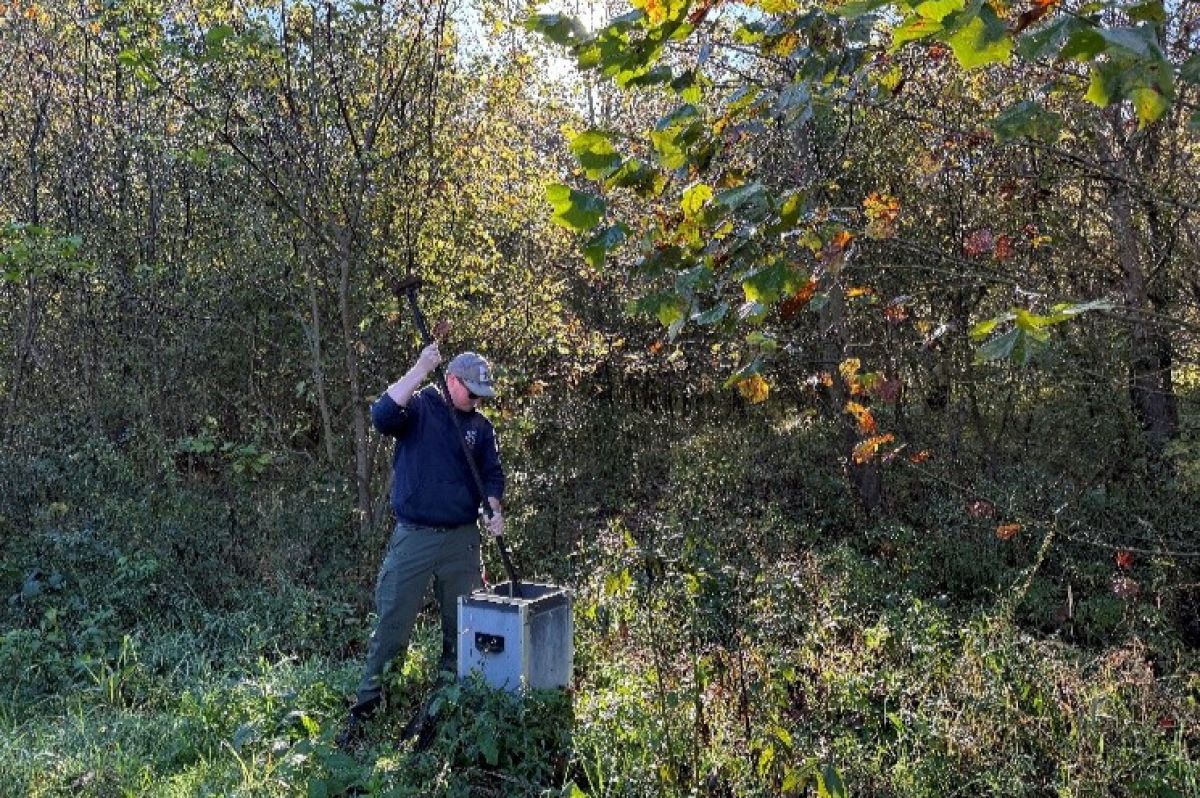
point(795, 676)
point(742, 628)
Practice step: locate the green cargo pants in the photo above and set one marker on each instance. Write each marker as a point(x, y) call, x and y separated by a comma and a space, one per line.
point(415, 553)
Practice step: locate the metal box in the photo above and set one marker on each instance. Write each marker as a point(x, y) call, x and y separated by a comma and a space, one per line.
point(518, 642)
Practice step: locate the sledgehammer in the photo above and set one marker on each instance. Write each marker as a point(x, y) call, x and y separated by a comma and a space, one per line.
point(407, 288)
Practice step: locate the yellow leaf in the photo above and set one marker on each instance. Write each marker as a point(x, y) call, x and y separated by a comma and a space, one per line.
point(882, 211)
point(866, 450)
point(866, 422)
point(754, 389)
point(849, 371)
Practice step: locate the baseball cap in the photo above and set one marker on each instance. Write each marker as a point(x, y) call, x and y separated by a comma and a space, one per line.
point(475, 373)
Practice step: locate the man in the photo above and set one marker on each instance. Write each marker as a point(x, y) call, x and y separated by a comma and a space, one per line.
point(436, 506)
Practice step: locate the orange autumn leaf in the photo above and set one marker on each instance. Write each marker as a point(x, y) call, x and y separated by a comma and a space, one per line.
point(1039, 10)
point(842, 239)
point(895, 314)
point(1124, 560)
point(821, 378)
point(754, 389)
point(655, 347)
point(859, 290)
point(1005, 248)
point(656, 10)
point(866, 450)
point(1007, 531)
point(866, 421)
point(919, 457)
point(793, 304)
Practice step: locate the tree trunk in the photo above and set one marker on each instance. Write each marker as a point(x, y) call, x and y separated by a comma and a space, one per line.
point(362, 469)
point(1151, 392)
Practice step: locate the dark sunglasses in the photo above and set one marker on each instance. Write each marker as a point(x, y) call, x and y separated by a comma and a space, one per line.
point(474, 397)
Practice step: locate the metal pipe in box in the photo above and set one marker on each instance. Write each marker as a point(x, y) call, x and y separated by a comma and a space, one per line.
point(523, 641)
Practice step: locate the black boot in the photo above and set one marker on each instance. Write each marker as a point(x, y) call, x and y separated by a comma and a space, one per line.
point(356, 723)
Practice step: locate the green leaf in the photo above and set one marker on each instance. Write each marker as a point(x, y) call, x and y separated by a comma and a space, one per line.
point(751, 368)
point(595, 154)
point(1150, 105)
point(830, 784)
point(215, 36)
point(1047, 41)
point(659, 261)
point(677, 118)
point(914, 28)
point(246, 733)
point(1083, 45)
point(713, 315)
point(489, 748)
point(572, 791)
point(558, 28)
point(1033, 323)
point(791, 210)
point(634, 174)
point(766, 285)
point(998, 348)
point(1190, 71)
point(1194, 121)
point(981, 41)
point(857, 8)
point(668, 308)
point(697, 278)
point(666, 146)
point(573, 209)
point(794, 104)
point(937, 10)
point(1029, 119)
point(1148, 12)
point(654, 77)
point(750, 196)
point(689, 86)
point(1069, 310)
point(1107, 84)
point(604, 242)
point(1139, 41)
point(694, 198)
point(984, 328)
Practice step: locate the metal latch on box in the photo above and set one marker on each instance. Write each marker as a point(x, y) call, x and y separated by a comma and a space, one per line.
point(489, 644)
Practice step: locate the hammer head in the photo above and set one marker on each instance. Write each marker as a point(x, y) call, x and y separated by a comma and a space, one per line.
point(407, 286)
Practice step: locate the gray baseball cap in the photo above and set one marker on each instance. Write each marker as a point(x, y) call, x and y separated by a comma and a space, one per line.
point(475, 373)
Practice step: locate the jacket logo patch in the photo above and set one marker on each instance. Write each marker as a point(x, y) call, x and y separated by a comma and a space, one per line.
point(470, 436)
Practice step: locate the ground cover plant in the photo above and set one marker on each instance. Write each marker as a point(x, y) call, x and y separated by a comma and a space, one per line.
point(847, 366)
point(719, 651)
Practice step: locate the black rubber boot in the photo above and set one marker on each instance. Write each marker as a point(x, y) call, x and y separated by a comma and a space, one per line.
point(356, 723)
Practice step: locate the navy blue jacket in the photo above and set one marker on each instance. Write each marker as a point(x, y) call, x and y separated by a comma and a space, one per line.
point(431, 483)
